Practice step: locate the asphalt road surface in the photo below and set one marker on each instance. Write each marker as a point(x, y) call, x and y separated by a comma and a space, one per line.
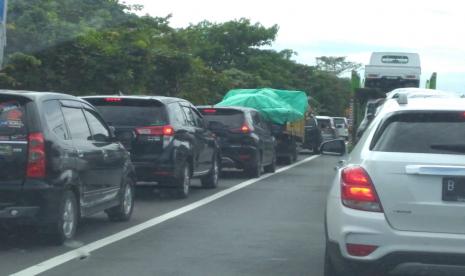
point(270, 226)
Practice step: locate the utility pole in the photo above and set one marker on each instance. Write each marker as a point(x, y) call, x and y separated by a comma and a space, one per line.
point(3, 13)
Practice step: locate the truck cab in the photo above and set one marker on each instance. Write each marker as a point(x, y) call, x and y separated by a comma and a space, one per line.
point(391, 70)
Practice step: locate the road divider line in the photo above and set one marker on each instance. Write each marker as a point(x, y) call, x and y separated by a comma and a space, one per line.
point(85, 250)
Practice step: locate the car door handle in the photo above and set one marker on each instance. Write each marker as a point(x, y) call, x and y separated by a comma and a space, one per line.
point(340, 164)
point(435, 170)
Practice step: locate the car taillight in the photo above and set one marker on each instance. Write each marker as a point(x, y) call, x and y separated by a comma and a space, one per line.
point(113, 100)
point(209, 111)
point(36, 156)
point(156, 130)
point(357, 190)
point(243, 129)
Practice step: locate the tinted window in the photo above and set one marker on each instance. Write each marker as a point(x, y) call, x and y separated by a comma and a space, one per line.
point(256, 119)
point(197, 119)
point(131, 112)
point(77, 123)
point(223, 118)
point(189, 115)
point(311, 122)
point(12, 121)
point(422, 133)
point(338, 121)
point(99, 131)
point(177, 116)
point(55, 120)
point(324, 123)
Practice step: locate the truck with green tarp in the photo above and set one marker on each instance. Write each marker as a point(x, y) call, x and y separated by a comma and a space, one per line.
point(284, 109)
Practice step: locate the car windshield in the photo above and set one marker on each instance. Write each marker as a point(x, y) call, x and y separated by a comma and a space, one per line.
point(209, 137)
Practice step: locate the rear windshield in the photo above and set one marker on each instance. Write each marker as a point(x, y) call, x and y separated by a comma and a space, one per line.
point(324, 123)
point(223, 118)
point(12, 121)
point(442, 133)
point(131, 112)
point(339, 121)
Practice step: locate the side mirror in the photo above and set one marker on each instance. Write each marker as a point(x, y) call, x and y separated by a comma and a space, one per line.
point(112, 131)
point(333, 147)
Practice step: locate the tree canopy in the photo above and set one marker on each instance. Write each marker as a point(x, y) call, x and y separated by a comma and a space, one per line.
point(87, 47)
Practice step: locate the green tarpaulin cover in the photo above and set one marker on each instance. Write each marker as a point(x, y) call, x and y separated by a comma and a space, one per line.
point(278, 106)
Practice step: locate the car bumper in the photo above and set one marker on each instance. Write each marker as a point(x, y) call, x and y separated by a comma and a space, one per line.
point(36, 203)
point(345, 225)
point(154, 171)
point(240, 157)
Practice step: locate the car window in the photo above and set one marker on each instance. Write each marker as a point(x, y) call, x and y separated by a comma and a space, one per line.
point(189, 115)
point(422, 133)
point(99, 132)
point(223, 118)
point(12, 121)
point(256, 120)
point(198, 120)
point(55, 120)
point(130, 112)
point(77, 123)
point(177, 115)
point(340, 121)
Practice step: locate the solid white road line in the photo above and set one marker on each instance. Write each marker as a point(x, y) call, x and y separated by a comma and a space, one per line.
point(86, 249)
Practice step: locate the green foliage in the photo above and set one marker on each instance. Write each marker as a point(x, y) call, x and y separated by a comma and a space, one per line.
point(86, 47)
point(336, 65)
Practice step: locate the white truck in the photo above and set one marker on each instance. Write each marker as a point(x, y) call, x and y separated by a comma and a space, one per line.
point(390, 70)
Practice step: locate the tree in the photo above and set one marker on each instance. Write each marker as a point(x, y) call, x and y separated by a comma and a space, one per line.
point(336, 65)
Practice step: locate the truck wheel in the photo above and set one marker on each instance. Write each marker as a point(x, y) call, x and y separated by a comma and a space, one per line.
point(64, 228)
point(210, 181)
point(123, 211)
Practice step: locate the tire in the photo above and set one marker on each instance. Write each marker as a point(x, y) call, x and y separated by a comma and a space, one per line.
point(210, 181)
point(295, 154)
point(64, 228)
point(329, 269)
point(256, 171)
point(316, 149)
point(183, 182)
point(123, 211)
point(272, 167)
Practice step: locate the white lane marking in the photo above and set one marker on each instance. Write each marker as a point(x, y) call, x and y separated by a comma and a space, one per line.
point(87, 249)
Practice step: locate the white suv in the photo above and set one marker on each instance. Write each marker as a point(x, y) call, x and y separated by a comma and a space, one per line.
point(400, 195)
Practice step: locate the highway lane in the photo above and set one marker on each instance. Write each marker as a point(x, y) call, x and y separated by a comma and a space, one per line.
point(272, 227)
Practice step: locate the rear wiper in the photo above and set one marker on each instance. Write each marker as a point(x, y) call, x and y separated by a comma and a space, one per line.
point(455, 148)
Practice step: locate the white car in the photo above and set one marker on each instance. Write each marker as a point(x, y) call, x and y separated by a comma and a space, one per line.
point(400, 195)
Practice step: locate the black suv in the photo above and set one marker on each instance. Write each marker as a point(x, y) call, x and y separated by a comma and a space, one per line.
point(59, 162)
point(166, 137)
point(313, 137)
point(245, 138)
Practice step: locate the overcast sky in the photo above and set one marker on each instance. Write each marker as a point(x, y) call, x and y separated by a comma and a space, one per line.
point(355, 28)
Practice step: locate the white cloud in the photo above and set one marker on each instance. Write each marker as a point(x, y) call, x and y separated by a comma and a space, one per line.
point(433, 29)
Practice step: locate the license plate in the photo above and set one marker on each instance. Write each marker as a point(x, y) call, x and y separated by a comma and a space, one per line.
point(453, 189)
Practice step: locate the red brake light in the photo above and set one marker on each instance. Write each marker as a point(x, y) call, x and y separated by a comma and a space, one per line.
point(168, 131)
point(36, 156)
point(245, 129)
point(156, 130)
point(357, 190)
point(360, 250)
point(113, 100)
point(209, 111)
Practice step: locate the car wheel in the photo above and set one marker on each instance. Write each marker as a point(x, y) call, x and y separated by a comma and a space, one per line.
point(316, 149)
point(64, 228)
point(183, 182)
point(123, 211)
point(256, 171)
point(272, 167)
point(329, 269)
point(210, 181)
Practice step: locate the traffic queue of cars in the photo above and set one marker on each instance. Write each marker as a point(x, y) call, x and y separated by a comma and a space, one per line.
point(64, 158)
